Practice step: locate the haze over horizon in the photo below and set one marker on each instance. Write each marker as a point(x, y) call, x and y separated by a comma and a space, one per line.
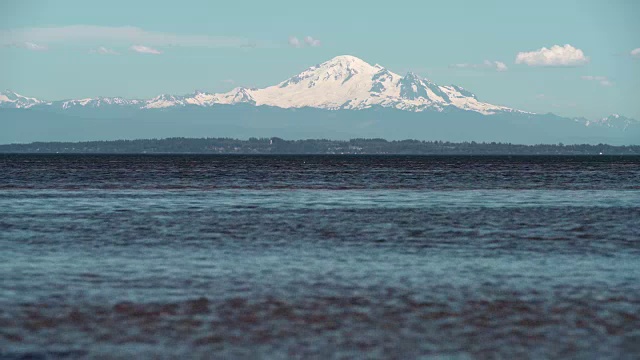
point(577, 58)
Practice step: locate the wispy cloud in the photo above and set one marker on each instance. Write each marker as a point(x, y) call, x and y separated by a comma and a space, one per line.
point(124, 35)
point(103, 51)
point(500, 66)
point(603, 80)
point(249, 45)
point(141, 49)
point(486, 65)
point(635, 53)
point(229, 81)
point(308, 40)
point(29, 46)
point(311, 41)
point(566, 55)
point(295, 42)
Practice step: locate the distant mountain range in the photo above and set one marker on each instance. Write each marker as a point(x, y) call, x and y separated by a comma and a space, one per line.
point(341, 98)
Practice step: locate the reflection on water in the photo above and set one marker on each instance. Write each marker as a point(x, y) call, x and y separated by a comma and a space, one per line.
point(174, 256)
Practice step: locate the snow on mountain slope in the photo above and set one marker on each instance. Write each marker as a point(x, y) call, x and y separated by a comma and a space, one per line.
point(164, 101)
point(10, 99)
point(200, 98)
point(96, 102)
point(347, 82)
point(614, 121)
point(344, 82)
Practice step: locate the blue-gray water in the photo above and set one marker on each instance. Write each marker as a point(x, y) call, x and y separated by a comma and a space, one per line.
point(319, 257)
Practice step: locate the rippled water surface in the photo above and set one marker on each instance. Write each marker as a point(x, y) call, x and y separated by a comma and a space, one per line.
point(319, 257)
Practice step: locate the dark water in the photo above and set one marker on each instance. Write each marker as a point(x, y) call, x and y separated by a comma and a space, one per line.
point(319, 257)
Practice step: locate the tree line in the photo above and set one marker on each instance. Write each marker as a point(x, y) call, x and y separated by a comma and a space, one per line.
point(276, 145)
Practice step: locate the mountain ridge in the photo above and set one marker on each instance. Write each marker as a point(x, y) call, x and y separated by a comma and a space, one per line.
point(340, 97)
point(344, 82)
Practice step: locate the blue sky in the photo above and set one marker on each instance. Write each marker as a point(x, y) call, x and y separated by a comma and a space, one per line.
point(73, 49)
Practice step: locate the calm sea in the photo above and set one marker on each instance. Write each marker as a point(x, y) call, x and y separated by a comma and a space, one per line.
point(192, 256)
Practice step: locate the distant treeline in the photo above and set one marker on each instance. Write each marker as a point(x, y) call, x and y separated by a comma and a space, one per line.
point(321, 146)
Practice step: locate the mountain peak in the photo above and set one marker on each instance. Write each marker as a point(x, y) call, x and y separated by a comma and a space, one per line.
point(10, 98)
point(347, 59)
point(10, 94)
point(348, 62)
point(348, 82)
point(410, 75)
point(616, 121)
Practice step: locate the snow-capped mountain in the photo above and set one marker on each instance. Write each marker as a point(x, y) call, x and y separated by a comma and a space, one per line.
point(200, 98)
point(347, 82)
point(163, 101)
point(96, 102)
point(344, 82)
point(613, 121)
point(9, 99)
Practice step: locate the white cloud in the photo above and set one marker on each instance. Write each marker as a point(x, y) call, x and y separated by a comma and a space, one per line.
point(103, 51)
point(145, 50)
point(486, 65)
point(308, 40)
point(295, 42)
point(229, 81)
point(603, 80)
point(30, 46)
point(311, 41)
point(124, 35)
point(500, 66)
point(636, 53)
point(555, 56)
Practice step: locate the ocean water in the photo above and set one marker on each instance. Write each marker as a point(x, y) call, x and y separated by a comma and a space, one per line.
point(192, 256)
